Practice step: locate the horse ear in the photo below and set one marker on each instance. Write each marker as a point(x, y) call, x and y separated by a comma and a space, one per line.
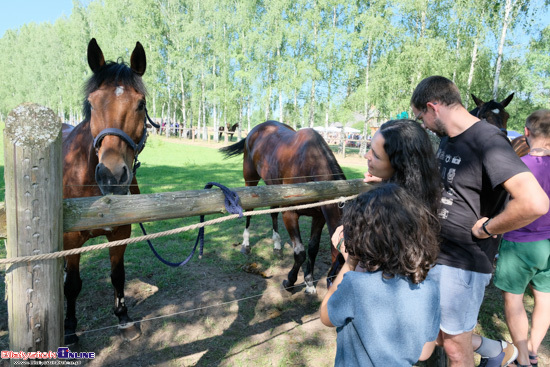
point(138, 62)
point(477, 101)
point(95, 56)
point(507, 100)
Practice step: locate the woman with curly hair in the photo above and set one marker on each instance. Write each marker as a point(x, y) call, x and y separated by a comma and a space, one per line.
point(402, 152)
point(388, 315)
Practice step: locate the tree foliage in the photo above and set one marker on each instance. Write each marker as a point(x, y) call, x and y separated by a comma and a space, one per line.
point(303, 61)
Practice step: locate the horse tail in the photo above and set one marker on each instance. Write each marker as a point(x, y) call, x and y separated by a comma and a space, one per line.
point(234, 149)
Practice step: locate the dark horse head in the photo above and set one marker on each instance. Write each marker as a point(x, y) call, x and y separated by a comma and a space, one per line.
point(493, 111)
point(115, 108)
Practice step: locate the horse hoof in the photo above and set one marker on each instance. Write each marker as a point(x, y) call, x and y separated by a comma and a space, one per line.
point(310, 289)
point(278, 252)
point(129, 331)
point(70, 340)
point(245, 250)
point(289, 287)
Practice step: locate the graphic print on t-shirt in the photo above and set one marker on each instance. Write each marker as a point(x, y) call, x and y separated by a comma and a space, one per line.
point(449, 164)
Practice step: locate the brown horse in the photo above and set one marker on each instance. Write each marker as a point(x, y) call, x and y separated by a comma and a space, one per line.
point(279, 155)
point(100, 158)
point(495, 114)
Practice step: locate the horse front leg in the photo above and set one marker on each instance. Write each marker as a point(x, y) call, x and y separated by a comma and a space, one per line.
point(277, 248)
point(128, 329)
point(290, 218)
point(318, 222)
point(72, 285)
point(333, 217)
point(251, 179)
point(245, 245)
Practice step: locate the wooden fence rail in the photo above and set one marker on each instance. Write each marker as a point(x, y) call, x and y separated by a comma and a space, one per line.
point(107, 211)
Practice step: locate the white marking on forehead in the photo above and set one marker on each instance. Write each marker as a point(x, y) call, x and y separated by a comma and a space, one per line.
point(119, 90)
point(495, 111)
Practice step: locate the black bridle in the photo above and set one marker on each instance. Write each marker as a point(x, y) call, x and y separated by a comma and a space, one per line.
point(137, 148)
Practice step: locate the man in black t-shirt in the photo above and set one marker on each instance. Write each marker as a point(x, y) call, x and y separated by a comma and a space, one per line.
point(479, 171)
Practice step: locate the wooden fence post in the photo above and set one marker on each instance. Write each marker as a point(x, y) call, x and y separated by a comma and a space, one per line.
point(33, 176)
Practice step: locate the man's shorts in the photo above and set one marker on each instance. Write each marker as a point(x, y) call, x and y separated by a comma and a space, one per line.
point(461, 294)
point(521, 263)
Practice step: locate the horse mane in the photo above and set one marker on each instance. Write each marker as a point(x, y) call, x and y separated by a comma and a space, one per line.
point(335, 168)
point(112, 73)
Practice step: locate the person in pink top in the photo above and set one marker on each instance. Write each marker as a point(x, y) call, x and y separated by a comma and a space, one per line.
point(524, 254)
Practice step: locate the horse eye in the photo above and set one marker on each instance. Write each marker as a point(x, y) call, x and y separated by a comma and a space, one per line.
point(141, 105)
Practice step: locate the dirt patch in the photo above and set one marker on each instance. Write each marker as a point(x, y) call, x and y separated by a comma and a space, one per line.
point(216, 319)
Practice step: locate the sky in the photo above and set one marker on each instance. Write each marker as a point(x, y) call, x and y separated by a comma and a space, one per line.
point(15, 13)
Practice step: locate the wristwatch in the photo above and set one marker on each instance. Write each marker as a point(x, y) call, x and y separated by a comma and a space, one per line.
point(484, 227)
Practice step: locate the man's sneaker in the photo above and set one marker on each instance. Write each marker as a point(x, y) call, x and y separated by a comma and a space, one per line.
point(508, 355)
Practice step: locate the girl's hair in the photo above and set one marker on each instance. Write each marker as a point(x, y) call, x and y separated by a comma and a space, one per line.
point(411, 155)
point(387, 230)
point(539, 123)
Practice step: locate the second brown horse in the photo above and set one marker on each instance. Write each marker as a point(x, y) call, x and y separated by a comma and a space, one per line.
point(277, 154)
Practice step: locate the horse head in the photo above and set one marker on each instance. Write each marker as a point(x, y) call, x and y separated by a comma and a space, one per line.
point(115, 107)
point(494, 112)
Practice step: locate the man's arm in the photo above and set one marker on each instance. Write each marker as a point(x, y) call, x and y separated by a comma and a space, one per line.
point(528, 201)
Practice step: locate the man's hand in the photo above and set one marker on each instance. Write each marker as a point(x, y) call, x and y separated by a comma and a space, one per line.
point(477, 229)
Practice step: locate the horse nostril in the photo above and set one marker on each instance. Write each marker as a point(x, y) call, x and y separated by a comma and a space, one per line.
point(114, 181)
point(124, 175)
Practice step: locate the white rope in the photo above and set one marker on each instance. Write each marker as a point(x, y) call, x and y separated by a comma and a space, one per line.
point(54, 255)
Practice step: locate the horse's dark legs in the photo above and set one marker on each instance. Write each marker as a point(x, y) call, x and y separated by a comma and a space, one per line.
point(290, 219)
point(317, 224)
point(245, 245)
point(129, 330)
point(72, 283)
point(251, 178)
point(118, 279)
point(333, 216)
point(72, 287)
point(277, 248)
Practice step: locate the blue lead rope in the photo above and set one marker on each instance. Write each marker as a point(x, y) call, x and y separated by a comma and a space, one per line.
point(231, 205)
